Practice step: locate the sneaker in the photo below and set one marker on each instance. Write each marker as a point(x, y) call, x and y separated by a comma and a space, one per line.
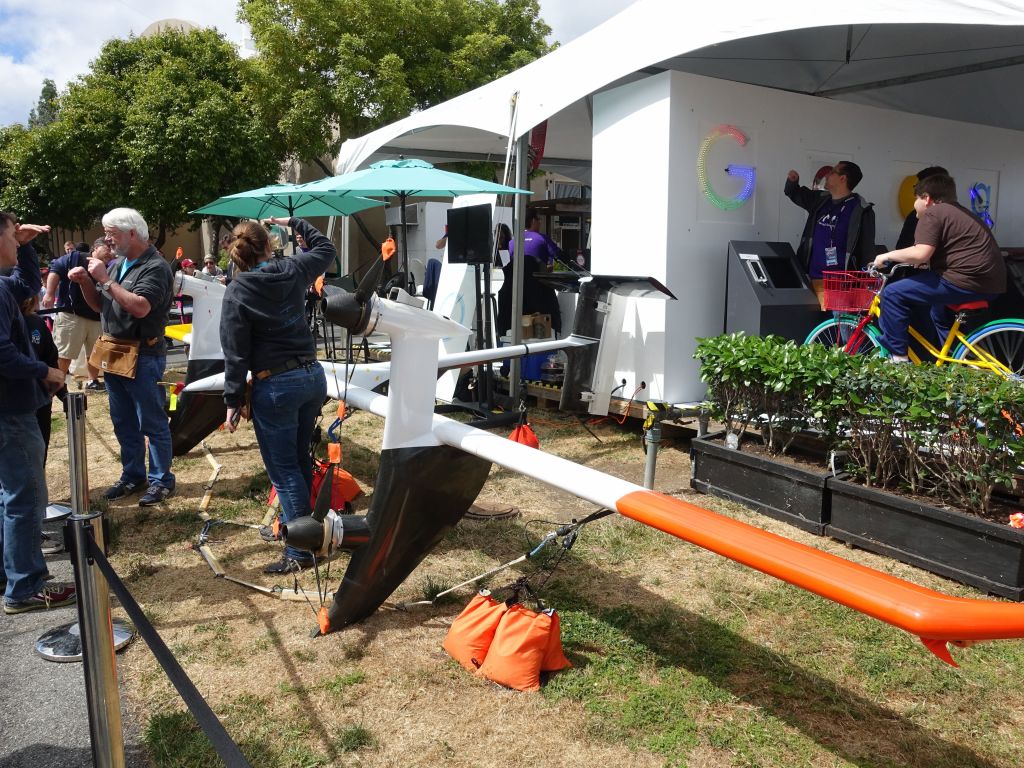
point(43, 600)
point(121, 488)
point(50, 545)
point(269, 534)
point(155, 494)
point(289, 565)
point(96, 386)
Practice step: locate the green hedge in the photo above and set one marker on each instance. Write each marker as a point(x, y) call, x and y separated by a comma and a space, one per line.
point(950, 432)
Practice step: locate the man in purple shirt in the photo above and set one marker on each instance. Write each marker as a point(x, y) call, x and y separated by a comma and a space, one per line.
point(541, 253)
point(840, 230)
point(26, 384)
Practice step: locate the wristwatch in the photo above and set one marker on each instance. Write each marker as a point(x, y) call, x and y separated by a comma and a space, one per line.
point(105, 287)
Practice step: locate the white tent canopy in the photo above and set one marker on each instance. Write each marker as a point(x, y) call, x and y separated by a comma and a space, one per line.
point(965, 63)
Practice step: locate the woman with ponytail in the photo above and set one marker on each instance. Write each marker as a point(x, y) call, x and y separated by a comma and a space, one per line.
point(263, 331)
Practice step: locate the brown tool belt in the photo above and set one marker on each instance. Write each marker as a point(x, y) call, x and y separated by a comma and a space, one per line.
point(288, 365)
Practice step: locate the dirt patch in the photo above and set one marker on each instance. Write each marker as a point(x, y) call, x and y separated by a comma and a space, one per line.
point(253, 658)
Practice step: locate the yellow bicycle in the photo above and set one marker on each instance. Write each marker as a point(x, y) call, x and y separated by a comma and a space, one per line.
point(853, 297)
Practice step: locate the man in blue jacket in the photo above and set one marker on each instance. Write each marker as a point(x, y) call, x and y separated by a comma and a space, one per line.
point(25, 385)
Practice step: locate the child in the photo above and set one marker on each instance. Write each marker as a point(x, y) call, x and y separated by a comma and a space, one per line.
point(46, 351)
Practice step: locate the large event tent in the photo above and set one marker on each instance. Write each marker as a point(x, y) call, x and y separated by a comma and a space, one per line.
point(948, 59)
point(944, 58)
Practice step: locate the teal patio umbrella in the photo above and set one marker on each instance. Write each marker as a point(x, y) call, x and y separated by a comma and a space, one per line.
point(403, 179)
point(285, 200)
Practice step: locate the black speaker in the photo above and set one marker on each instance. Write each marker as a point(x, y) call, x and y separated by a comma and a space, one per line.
point(469, 235)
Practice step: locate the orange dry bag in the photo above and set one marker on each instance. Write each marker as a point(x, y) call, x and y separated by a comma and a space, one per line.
point(554, 658)
point(518, 649)
point(522, 433)
point(344, 487)
point(472, 631)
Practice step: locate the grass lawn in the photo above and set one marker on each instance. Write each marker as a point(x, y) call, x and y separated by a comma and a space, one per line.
point(680, 657)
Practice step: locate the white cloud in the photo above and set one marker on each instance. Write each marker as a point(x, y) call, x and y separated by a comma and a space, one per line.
point(57, 39)
point(569, 19)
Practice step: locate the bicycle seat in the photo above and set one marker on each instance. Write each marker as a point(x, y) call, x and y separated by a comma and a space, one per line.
point(969, 306)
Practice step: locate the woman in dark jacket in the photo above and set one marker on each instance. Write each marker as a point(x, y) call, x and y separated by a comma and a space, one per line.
point(263, 331)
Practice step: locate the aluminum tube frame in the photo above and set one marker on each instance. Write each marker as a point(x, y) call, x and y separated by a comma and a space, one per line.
point(102, 696)
point(518, 264)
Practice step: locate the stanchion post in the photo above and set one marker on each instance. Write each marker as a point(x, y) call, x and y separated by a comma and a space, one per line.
point(653, 437)
point(85, 529)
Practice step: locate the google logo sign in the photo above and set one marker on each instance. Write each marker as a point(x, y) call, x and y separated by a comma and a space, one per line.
point(745, 172)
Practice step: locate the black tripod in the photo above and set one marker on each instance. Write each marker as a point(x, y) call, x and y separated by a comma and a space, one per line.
point(484, 403)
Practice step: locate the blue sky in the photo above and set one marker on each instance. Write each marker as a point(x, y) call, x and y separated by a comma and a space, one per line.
point(57, 39)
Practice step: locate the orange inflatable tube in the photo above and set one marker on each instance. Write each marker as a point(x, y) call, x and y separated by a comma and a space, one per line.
point(936, 618)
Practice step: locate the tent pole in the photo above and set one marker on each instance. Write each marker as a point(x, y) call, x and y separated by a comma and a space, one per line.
point(518, 262)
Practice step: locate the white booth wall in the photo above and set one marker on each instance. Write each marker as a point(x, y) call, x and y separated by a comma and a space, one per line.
point(650, 216)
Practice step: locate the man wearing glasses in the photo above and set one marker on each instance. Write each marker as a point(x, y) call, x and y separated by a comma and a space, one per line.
point(133, 299)
point(840, 229)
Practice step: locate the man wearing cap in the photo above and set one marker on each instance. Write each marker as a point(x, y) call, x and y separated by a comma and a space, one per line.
point(188, 267)
point(210, 268)
point(76, 325)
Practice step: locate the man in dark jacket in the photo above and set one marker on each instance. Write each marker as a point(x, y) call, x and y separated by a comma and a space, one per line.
point(25, 386)
point(133, 300)
point(840, 229)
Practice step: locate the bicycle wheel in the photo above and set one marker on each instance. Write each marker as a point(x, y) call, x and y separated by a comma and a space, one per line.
point(1003, 339)
point(837, 331)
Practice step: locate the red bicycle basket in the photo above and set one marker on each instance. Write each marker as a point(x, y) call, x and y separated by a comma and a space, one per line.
point(849, 291)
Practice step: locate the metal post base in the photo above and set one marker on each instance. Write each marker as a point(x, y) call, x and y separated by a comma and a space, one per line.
point(64, 643)
point(56, 512)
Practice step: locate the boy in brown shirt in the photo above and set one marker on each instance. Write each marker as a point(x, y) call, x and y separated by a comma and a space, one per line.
point(958, 261)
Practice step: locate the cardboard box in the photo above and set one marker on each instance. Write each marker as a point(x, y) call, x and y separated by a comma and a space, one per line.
point(536, 326)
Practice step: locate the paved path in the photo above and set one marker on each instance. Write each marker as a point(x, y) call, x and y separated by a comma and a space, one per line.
point(43, 721)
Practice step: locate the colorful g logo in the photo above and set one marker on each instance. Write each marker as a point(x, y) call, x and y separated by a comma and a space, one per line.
point(746, 172)
point(981, 202)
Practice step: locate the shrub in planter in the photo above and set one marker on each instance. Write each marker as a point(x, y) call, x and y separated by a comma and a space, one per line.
point(778, 386)
point(950, 432)
point(953, 433)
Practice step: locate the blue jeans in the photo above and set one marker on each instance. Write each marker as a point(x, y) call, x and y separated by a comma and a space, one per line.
point(284, 411)
point(922, 288)
point(137, 412)
point(23, 503)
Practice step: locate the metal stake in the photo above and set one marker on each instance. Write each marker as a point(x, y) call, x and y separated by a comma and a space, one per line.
point(84, 527)
point(653, 437)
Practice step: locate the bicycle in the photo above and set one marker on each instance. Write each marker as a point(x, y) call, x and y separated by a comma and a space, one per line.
point(854, 297)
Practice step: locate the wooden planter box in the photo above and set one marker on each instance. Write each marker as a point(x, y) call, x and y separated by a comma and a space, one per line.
point(953, 544)
point(792, 494)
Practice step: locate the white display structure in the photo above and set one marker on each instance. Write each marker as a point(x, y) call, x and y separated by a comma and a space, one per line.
point(426, 222)
point(651, 216)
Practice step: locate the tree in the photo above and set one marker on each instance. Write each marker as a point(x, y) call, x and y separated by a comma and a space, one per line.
point(332, 69)
point(162, 123)
point(45, 111)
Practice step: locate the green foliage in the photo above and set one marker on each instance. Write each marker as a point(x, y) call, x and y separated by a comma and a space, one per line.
point(773, 382)
point(331, 69)
point(163, 124)
point(45, 110)
point(952, 432)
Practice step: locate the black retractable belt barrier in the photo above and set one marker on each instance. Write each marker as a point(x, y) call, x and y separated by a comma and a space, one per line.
point(207, 719)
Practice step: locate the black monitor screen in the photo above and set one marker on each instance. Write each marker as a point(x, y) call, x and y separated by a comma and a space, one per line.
point(782, 272)
point(469, 235)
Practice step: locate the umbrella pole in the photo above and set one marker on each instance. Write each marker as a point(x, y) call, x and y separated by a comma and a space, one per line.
point(291, 235)
point(405, 248)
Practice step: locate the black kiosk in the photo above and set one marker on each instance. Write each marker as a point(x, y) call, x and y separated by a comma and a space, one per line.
point(767, 292)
